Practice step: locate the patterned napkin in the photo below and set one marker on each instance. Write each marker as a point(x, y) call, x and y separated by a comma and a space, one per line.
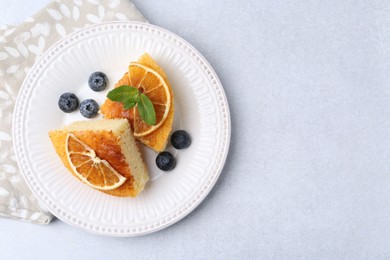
point(20, 46)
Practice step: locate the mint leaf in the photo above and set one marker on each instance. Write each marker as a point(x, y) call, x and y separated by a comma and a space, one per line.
point(126, 94)
point(129, 97)
point(129, 104)
point(146, 110)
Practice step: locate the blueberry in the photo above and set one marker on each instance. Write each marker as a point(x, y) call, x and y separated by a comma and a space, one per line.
point(89, 108)
point(68, 102)
point(165, 161)
point(180, 139)
point(97, 81)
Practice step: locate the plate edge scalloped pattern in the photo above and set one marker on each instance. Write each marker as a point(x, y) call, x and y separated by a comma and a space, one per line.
point(222, 149)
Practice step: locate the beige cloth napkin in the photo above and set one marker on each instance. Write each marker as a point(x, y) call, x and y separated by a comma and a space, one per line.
point(20, 46)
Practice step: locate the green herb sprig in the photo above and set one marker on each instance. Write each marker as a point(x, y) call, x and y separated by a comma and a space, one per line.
point(130, 97)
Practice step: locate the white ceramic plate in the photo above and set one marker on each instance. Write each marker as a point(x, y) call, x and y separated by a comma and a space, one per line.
point(201, 109)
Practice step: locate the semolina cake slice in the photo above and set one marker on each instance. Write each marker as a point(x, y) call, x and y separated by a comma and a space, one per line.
point(110, 140)
point(157, 139)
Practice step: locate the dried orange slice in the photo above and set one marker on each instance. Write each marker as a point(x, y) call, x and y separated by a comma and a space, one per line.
point(153, 85)
point(89, 168)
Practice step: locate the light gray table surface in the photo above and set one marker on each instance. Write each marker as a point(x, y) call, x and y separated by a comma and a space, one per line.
point(307, 176)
